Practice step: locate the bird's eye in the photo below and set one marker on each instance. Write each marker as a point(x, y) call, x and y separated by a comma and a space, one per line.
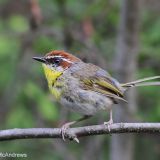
point(56, 61)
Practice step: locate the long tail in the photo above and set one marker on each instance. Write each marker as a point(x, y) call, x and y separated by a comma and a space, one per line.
point(142, 82)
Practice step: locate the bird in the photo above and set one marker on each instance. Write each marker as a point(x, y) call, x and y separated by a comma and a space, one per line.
point(84, 87)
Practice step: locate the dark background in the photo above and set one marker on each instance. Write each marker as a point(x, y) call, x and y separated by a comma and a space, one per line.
point(122, 37)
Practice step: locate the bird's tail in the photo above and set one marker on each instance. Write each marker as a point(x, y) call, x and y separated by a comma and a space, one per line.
point(142, 82)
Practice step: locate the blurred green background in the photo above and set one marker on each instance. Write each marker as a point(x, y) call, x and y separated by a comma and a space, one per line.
point(89, 29)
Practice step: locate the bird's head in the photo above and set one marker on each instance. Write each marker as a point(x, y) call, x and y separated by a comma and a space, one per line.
point(56, 62)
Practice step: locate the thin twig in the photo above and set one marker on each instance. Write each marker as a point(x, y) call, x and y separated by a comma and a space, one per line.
point(11, 134)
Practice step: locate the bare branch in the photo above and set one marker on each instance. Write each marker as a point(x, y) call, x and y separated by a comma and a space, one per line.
point(12, 134)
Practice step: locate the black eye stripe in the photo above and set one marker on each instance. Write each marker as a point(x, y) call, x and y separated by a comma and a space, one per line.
point(54, 60)
point(57, 60)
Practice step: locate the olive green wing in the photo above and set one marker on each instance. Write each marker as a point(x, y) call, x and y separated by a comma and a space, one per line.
point(98, 80)
point(103, 85)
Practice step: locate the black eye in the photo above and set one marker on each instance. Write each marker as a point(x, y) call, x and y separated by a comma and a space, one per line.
point(56, 61)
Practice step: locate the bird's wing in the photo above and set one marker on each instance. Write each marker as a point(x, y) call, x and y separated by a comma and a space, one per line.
point(98, 80)
point(103, 85)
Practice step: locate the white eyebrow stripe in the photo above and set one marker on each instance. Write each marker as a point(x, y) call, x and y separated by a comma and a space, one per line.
point(49, 57)
point(64, 59)
point(58, 56)
point(67, 60)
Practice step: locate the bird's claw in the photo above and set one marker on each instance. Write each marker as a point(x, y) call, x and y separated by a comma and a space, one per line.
point(63, 131)
point(108, 124)
point(69, 135)
point(76, 139)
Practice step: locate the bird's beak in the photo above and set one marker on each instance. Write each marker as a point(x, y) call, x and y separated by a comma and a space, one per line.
point(40, 59)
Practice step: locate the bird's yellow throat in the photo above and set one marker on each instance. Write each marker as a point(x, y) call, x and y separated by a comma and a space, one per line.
point(51, 76)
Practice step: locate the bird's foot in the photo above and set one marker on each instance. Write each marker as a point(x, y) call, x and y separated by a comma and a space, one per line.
point(108, 124)
point(65, 134)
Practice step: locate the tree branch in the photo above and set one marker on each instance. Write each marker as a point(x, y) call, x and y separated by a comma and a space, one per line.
point(11, 134)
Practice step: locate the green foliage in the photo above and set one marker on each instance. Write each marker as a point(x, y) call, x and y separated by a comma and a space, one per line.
point(3, 2)
point(8, 46)
point(18, 23)
point(17, 117)
point(43, 44)
point(46, 108)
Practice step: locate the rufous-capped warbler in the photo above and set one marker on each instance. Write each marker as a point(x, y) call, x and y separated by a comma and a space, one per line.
point(83, 87)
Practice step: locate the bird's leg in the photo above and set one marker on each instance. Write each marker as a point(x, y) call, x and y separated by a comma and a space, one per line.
point(110, 120)
point(67, 125)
